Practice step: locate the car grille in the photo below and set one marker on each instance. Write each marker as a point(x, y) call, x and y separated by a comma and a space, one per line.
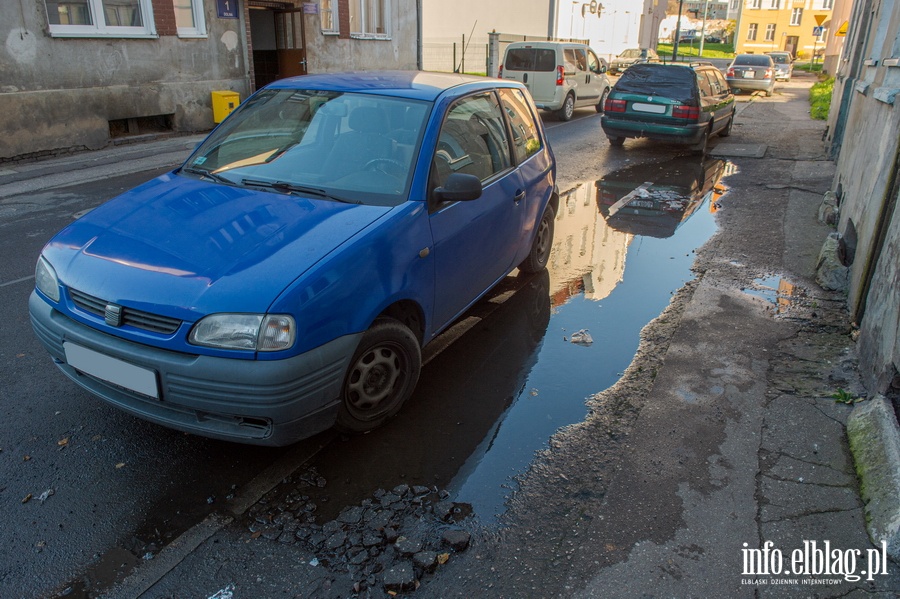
point(133, 318)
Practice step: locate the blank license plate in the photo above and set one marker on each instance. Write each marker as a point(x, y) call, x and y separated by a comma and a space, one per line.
point(112, 370)
point(654, 108)
point(749, 74)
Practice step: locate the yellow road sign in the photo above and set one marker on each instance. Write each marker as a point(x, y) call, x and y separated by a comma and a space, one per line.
point(842, 30)
point(820, 19)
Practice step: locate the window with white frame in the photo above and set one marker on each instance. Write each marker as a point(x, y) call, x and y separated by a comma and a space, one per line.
point(100, 18)
point(827, 4)
point(770, 32)
point(775, 4)
point(755, 3)
point(189, 18)
point(369, 18)
point(735, 4)
point(328, 15)
point(796, 16)
point(751, 32)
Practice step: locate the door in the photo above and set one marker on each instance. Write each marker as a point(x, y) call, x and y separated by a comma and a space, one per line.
point(790, 44)
point(476, 241)
point(289, 43)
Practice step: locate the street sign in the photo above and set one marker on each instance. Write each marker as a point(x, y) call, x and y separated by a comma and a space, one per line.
point(842, 30)
point(817, 31)
point(820, 19)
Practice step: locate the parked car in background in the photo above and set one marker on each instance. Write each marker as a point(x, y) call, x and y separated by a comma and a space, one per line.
point(632, 56)
point(286, 277)
point(561, 76)
point(784, 65)
point(751, 72)
point(684, 103)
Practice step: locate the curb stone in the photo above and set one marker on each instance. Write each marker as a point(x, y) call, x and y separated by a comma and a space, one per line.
point(874, 438)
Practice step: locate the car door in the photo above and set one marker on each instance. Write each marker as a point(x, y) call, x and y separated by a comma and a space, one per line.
point(476, 241)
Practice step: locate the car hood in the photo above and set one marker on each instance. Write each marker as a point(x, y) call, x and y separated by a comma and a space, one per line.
point(185, 247)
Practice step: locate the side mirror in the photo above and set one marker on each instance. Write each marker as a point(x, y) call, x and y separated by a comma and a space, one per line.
point(459, 187)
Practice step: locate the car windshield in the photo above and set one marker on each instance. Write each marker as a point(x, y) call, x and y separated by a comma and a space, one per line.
point(632, 53)
point(352, 147)
point(780, 58)
point(752, 60)
point(661, 80)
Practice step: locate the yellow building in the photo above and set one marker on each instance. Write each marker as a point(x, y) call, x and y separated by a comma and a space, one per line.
point(794, 26)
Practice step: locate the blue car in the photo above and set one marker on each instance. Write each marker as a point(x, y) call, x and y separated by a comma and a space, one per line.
point(286, 277)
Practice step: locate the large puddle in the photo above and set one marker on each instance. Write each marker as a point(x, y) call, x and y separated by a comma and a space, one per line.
point(523, 368)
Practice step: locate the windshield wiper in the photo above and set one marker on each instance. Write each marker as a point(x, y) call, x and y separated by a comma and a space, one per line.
point(207, 174)
point(285, 187)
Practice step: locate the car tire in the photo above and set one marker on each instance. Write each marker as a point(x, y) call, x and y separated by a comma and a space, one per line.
point(539, 254)
point(568, 109)
point(616, 142)
point(601, 106)
point(726, 131)
point(383, 373)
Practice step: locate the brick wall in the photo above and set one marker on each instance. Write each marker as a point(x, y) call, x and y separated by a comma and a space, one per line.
point(164, 15)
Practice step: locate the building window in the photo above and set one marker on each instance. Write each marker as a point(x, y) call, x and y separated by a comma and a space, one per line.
point(328, 13)
point(735, 4)
point(368, 18)
point(189, 18)
point(827, 4)
point(776, 4)
point(101, 18)
point(770, 32)
point(751, 32)
point(755, 3)
point(796, 16)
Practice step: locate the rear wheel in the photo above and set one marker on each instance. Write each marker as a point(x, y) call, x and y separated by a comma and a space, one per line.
point(382, 375)
point(700, 148)
point(727, 130)
point(540, 248)
point(769, 92)
point(568, 109)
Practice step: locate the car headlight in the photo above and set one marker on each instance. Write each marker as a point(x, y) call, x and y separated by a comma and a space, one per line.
point(45, 279)
point(256, 332)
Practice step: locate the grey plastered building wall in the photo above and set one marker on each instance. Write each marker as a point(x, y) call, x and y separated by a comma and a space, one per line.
point(864, 131)
point(76, 73)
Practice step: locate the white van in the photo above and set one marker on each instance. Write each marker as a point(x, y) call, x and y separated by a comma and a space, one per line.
point(561, 76)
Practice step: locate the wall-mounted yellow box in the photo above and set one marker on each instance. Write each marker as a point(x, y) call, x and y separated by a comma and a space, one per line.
point(223, 102)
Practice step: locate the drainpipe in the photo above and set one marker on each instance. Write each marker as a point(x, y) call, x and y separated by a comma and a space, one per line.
point(552, 20)
point(419, 60)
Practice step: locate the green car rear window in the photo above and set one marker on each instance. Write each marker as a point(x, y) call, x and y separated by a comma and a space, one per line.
point(530, 59)
point(678, 83)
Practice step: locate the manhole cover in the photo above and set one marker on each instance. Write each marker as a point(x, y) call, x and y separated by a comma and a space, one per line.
point(739, 150)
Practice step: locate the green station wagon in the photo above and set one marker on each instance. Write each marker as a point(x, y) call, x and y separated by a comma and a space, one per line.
point(676, 103)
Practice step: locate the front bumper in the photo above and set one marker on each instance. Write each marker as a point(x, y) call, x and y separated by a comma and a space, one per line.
point(262, 402)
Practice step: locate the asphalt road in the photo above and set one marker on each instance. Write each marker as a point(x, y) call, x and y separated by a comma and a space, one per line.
point(87, 490)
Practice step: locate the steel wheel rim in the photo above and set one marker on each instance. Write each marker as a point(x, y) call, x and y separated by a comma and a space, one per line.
point(542, 243)
point(374, 378)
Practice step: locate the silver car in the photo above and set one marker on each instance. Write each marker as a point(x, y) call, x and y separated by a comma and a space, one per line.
point(753, 72)
point(784, 65)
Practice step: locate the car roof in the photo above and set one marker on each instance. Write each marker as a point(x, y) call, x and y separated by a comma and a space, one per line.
point(418, 85)
point(546, 45)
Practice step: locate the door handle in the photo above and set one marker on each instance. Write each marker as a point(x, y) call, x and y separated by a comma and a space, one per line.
point(520, 195)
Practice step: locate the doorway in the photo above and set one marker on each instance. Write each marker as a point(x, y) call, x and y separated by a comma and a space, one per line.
point(790, 44)
point(278, 41)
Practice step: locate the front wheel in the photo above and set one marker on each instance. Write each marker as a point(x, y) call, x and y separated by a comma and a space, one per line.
point(539, 255)
point(568, 109)
point(383, 372)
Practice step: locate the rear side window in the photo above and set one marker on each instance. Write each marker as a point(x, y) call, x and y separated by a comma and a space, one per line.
point(703, 83)
point(530, 59)
point(525, 138)
point(575, 60)
point(653, 79)
point(753, 60)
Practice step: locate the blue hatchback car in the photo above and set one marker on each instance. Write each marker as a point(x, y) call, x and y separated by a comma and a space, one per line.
point(286, 277)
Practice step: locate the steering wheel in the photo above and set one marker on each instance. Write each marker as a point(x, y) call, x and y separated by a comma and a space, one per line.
point(386, 166)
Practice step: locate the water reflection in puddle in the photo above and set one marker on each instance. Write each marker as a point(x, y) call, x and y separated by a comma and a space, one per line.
point(783, 295)
point(622, 246)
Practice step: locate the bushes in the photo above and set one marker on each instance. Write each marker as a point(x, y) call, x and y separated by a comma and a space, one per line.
point(820, 98)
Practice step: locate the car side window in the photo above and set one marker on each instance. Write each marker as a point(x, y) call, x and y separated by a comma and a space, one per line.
point(703, 83)
point(473, 140)
point(575, 60)
point(714, 83)
point(593, 62)
point(525, 139)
